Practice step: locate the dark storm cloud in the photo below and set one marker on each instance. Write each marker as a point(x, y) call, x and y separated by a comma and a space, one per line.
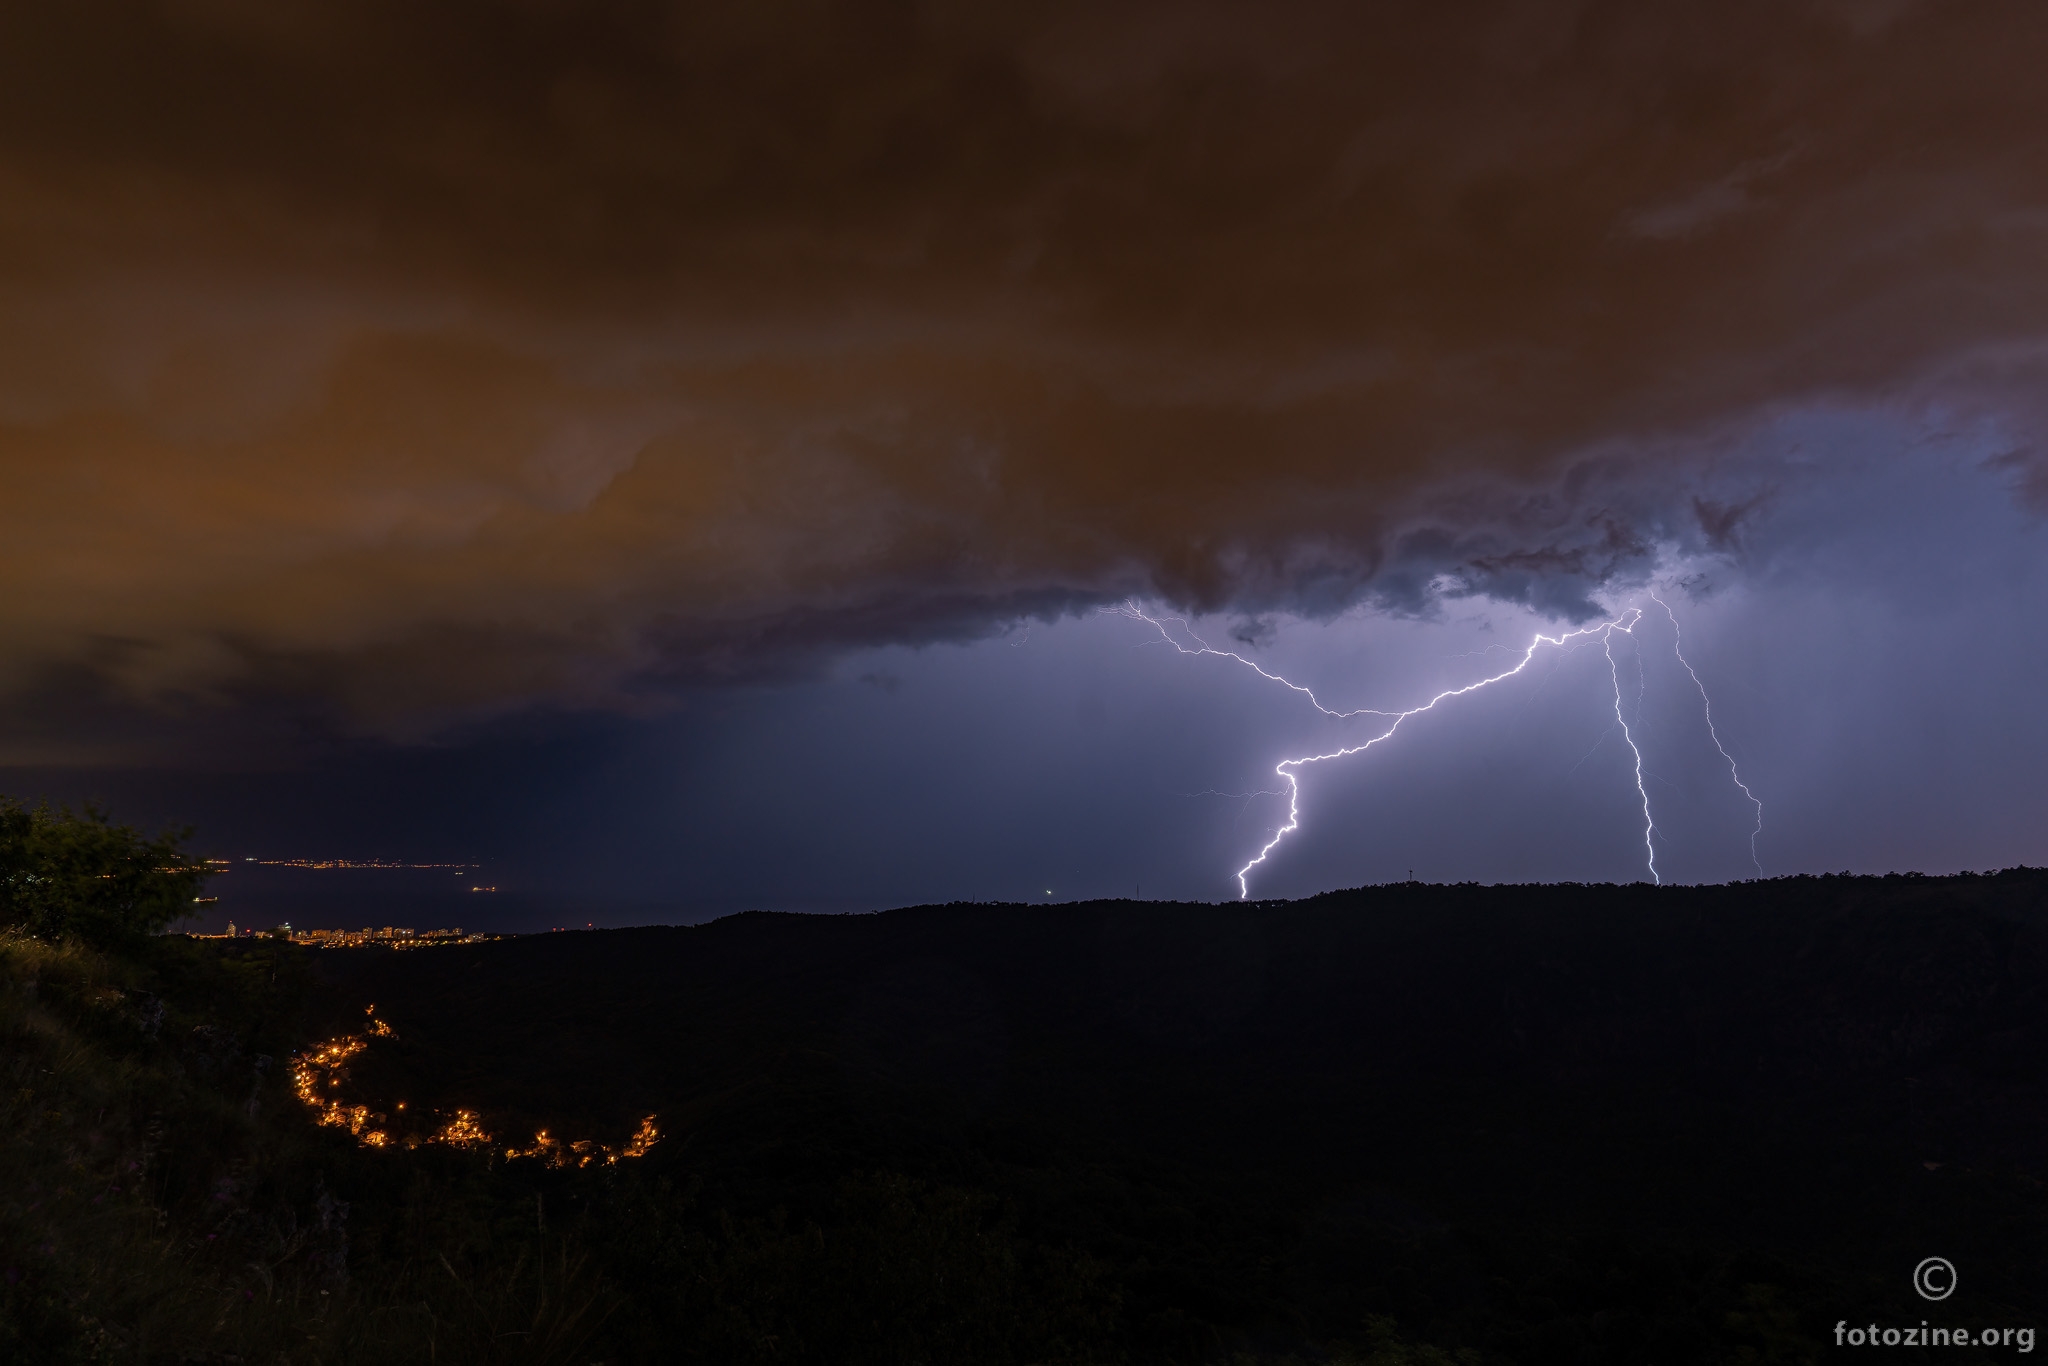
point(390, 363)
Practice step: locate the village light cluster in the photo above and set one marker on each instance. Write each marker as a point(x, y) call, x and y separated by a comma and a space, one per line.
point(323, 864)
point(397, 937)
point(319, 1073)
point(583, 1152)
point(323, 1068)
point(390, 936)
point(463, 1131)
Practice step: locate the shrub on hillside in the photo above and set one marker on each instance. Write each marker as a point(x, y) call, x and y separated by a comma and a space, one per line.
point(77, 874)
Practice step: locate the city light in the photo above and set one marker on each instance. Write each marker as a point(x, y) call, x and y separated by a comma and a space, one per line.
point(323, 864)
point(321, 1072)
point(583, 1152)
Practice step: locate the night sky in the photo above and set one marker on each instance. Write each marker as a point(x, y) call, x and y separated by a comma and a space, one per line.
point(681, 458)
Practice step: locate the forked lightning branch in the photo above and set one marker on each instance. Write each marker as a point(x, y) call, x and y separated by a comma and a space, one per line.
point(1603, 633)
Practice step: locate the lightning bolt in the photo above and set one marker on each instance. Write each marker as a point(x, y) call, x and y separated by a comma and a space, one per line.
point(1287, 768)
point(1131, 610)
point(1707, 706)
point(1614, 670)
point(1625, 623)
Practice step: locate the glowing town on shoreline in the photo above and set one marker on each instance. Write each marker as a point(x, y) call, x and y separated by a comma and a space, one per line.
point(390, 936)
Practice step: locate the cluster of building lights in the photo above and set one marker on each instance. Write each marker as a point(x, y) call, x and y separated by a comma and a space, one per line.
point(315, 1074)
point(393, 936)
point(583, 1152)
point(398, 937)
point(463, 1131)
point(326, 863)
point(318, 1074)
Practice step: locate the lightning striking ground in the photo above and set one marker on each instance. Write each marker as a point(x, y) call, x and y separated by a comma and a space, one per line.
point(1614, 670)
point(1288, 769)
point(1707, 707)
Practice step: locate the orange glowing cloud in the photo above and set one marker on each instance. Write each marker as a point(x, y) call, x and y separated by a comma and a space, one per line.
point(384, 365)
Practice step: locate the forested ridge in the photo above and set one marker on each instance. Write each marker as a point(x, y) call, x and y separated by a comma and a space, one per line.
point(1396, 1124)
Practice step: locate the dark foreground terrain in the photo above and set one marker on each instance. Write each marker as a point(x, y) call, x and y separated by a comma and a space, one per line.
point(1408, 1124)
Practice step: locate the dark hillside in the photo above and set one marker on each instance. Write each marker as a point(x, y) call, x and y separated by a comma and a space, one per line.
point(1544, 1123)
